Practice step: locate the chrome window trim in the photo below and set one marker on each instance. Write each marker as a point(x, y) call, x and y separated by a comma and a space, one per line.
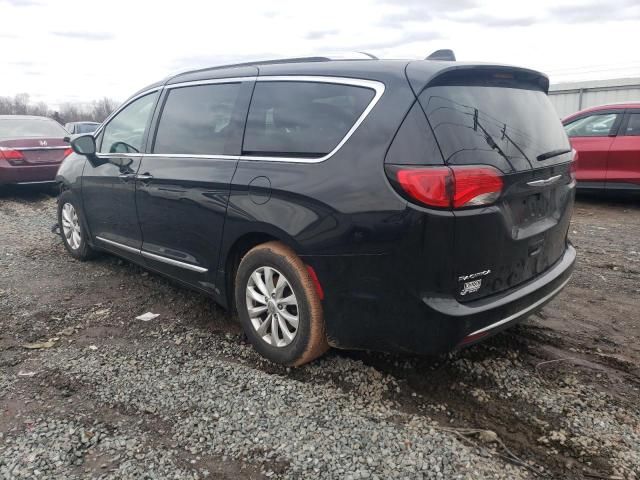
point(122, 107)
point(376, 86)
point(212, 81)
point(119, 155)
point(194, 156)
point(153, 256)
point(524, 311)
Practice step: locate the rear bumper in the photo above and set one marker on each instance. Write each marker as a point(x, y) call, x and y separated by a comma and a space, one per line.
point(487, 316)
point(387, 316)
point(27, 173)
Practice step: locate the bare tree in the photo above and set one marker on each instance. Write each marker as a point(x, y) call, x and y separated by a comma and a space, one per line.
point(21, 104)
point(71, 113)
point(103, 108)
point(41, 109)
point(95, 111)
point(6, 106)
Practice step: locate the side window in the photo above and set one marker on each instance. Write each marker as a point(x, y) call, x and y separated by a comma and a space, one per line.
point(301, 119)
point(598, 125)
point(125, 132)
point(633, 125)
point(199, 120)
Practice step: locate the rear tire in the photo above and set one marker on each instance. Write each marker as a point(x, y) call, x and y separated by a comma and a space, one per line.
point(72, 230)
point(279, 306)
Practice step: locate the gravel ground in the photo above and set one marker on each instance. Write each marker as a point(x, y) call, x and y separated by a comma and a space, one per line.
point(183, 395)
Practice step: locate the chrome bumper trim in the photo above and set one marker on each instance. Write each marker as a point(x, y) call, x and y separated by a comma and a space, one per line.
point(521, 312)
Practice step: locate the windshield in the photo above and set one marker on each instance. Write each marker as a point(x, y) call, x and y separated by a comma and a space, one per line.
point(30, 127)
point(512, 129)
point(86, 127)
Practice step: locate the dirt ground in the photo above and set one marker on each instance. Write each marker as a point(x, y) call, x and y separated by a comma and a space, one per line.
point(561, 391)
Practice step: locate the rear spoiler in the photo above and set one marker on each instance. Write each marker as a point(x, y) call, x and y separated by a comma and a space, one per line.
point(423, 74)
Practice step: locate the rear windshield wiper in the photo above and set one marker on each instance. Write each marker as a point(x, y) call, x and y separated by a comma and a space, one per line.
point(552, 153)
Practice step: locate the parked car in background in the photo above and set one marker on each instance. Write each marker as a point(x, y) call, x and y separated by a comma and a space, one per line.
point(411, 206)
point(81, 127)
point(607, 139)
point(31, 149)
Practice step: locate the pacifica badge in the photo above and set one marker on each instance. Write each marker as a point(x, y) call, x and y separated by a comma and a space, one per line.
point(472, 281)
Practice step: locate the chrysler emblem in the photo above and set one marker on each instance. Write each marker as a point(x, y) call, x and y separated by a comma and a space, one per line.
point(43, 143)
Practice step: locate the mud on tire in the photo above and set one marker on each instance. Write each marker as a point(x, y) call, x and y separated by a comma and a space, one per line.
point(309, 338)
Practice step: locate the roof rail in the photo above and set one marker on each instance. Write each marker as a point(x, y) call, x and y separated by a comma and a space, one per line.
point(317, 58)
point(351, 56)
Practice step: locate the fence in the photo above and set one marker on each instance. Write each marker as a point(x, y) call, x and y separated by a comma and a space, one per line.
point(568, 98)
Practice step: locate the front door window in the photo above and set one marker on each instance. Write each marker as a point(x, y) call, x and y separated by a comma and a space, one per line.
point(125, 132)
point(599, 125)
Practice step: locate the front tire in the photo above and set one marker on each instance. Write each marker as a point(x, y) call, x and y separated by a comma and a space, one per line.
point(72, 231)
point(279, 306)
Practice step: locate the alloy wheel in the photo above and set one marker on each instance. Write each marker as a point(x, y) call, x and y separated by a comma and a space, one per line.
point(71, 226)
point(272, 306)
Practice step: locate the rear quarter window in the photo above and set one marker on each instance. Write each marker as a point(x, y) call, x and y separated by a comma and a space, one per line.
point(302, 119)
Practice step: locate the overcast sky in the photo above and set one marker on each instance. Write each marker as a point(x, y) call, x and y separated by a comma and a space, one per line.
point(66, 50)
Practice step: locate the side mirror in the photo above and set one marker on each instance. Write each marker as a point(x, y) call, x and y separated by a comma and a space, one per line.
point(84, 145)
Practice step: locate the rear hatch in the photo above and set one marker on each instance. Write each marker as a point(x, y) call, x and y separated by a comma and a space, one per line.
point(501, 117)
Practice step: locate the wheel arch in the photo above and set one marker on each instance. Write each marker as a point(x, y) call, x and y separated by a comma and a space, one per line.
point(69, 174)
point(238, 249)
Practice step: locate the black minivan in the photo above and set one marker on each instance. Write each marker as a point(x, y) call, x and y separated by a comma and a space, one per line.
point(408, 206)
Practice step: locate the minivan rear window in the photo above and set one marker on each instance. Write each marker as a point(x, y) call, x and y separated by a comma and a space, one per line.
point(302, 119)
point(506, 127)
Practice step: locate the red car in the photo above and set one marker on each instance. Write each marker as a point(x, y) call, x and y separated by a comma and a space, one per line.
point(607, 139)
point(31, 149)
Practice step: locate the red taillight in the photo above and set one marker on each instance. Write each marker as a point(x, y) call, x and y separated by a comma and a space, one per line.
point(14, 157)
point(431, 186)
point(68, 152)
point(474, 186)
point(449, 187)
point(11, 154)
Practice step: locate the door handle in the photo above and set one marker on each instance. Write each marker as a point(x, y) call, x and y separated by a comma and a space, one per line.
point(145, 177)
point(126, 176)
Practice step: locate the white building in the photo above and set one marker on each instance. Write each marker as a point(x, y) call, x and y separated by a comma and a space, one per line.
point(571, 97)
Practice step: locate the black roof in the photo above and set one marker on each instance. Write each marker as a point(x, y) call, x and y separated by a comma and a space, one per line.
point(365, 68)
